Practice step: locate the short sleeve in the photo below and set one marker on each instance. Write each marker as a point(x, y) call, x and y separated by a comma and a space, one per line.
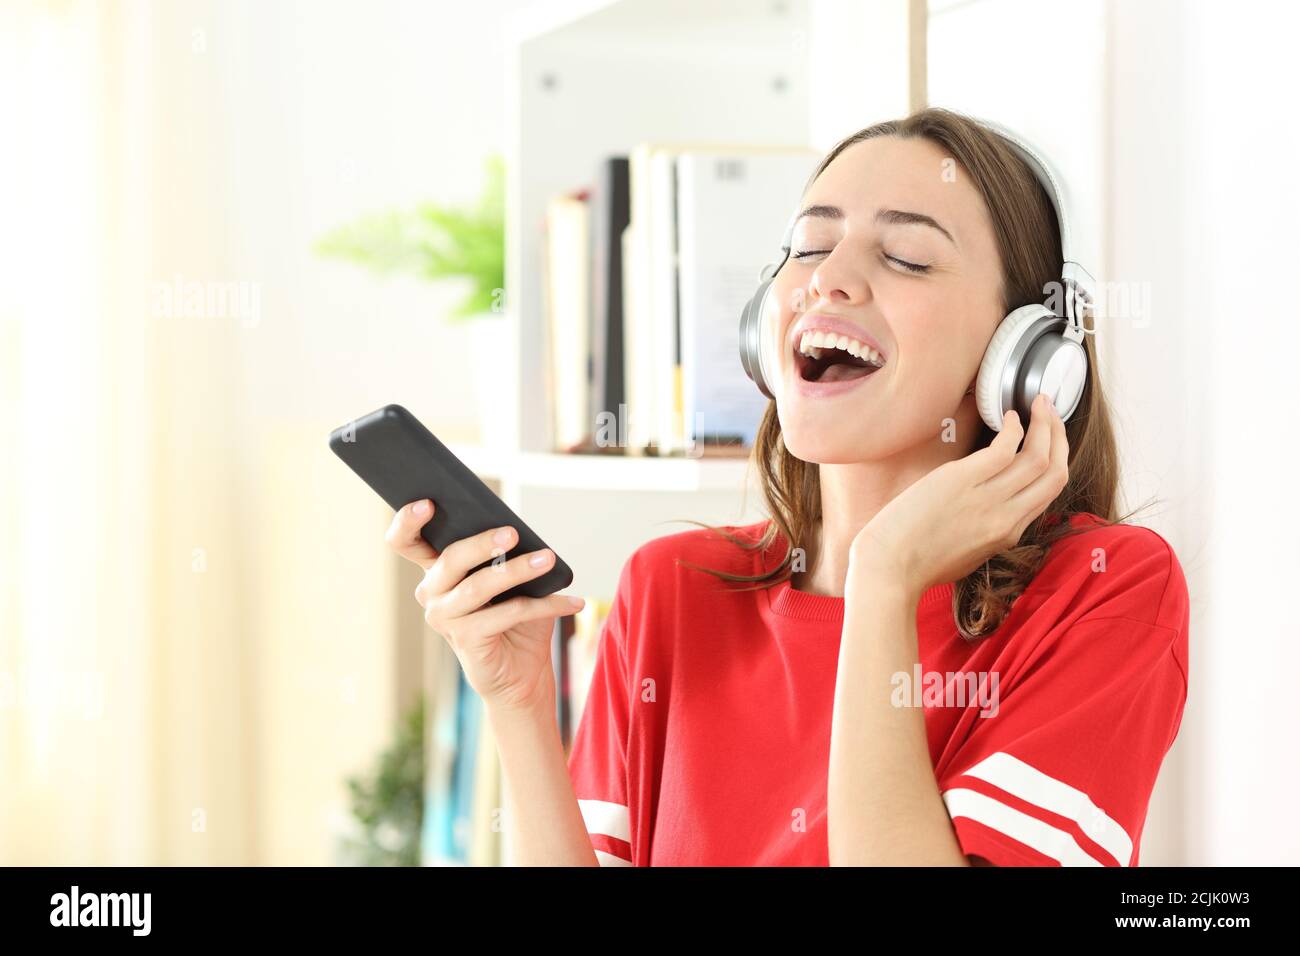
point(1062, 772)
point(598, 754)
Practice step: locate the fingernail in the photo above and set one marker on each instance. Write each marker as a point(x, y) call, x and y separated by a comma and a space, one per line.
point(419, 508)
point(576, 601)
point(540, 558)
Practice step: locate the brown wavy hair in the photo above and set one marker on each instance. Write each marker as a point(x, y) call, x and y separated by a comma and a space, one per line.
point(1029, 246)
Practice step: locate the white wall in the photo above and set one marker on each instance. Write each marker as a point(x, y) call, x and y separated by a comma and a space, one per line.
point(857, 54)
point(1171, 119)
point(329, 110)
point(1238, 235)
point(1203, 206)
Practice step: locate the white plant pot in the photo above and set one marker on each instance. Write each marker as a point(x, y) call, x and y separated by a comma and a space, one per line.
point(489, 333)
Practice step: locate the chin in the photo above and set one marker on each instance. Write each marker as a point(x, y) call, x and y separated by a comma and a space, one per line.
point(819, 441)
point(832, 456)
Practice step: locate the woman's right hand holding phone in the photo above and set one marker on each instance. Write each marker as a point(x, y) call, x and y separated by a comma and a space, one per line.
point(505, 648)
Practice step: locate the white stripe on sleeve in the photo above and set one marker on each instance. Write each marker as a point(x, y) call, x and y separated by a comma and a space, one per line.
point(1033, 786)
point(1046, 839)
point(609, 819)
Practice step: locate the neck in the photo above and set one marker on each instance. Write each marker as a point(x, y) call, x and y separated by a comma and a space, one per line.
point(852, 494)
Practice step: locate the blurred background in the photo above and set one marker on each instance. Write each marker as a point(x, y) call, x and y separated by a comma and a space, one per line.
point(230, 227)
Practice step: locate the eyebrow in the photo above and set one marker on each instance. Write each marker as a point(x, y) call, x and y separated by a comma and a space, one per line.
point(896, 217)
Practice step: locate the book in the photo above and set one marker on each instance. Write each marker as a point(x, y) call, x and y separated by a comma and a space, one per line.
point(732, 208)
point(665, 361)
point(484, 845)
point(638, 305)
point(469, 717)
point(690, 262)
point(443, 678)
point(567, 271)
point(580, 653)
point(649, 297)
point(609, 218)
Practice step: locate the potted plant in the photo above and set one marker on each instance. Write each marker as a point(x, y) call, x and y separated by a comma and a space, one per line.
point(442, 243)
point(387, 805)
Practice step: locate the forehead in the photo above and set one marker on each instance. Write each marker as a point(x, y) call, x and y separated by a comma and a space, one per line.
point(914, 175)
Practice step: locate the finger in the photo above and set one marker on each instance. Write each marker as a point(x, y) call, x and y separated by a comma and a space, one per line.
point(1034, 457)
point(518, 610)
point(1032, 500)
point(486, 583)
point(999, 453)
point(403, 535)
point(462, 556)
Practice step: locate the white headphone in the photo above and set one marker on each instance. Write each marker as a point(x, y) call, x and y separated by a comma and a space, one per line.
point(1036, 348)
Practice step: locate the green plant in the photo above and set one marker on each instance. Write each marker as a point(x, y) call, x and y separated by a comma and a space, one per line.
point(388, 806)
point(435, 242)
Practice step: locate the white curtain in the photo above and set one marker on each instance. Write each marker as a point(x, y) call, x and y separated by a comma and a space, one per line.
point(201, 631)
point(121, 652)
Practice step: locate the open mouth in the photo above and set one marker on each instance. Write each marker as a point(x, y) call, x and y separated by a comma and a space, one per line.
point(825, 357)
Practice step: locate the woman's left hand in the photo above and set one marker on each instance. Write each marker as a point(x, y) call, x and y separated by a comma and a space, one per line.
point(948, 523)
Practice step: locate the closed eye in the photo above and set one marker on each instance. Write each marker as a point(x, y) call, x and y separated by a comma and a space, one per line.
point(909, 266)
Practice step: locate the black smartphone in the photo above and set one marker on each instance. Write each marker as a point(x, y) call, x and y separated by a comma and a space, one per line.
point(402, 461)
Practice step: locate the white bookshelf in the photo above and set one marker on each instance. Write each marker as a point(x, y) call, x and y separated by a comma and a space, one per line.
point(589, 79)
point(524, 469)
point(586, 80)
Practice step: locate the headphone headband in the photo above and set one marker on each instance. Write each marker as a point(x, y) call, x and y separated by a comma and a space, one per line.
point(1080, 287)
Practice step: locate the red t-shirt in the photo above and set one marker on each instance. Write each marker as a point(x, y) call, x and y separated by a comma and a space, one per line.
point(705, 737)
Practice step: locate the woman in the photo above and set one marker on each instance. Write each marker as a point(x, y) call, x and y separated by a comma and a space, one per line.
point(948, 652)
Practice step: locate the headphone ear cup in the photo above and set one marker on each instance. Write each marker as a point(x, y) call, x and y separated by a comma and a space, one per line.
point(751, 338)
point(751, 322)
point(1061, 372)
point(993, 369)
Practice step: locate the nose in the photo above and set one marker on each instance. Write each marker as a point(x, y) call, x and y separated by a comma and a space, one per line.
point(840, 277)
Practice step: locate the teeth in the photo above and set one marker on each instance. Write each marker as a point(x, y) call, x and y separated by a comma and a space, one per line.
point(812, 343)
